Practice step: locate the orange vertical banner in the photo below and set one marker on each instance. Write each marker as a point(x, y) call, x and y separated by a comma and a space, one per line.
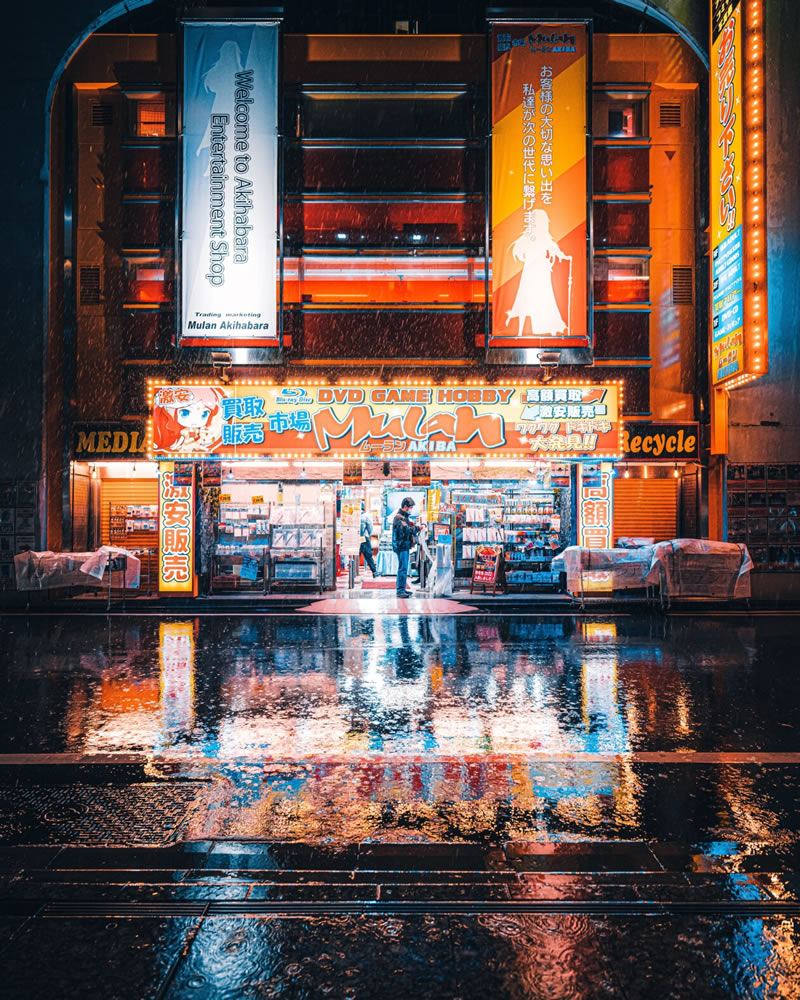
point(540, 191)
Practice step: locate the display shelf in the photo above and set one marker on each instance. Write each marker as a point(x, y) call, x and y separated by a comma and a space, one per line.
point(135, 527)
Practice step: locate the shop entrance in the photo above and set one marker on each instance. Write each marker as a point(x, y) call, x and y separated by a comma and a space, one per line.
point(306, 525)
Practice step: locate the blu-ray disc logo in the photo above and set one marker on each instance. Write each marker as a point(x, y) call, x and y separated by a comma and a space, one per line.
point(292, 396)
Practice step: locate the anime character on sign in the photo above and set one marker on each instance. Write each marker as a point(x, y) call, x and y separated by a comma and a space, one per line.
point(535, 300)
point(187, 419)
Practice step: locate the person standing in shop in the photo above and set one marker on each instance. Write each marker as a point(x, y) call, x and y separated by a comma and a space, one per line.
point(404, 535)
point(366, 542)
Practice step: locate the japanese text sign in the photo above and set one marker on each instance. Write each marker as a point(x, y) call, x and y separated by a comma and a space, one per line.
point(727, 199)
point(175, 533)
point(595, 506)
point(229, 183)
point(349, 421)
point(539, 186)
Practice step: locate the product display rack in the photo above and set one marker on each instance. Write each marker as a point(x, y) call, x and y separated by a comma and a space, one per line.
point(531, 540)
point(297, 548)
point(243, 538)
point(135, 527)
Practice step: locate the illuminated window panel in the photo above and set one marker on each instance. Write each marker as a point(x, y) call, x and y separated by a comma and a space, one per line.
point(150, 115)
point(621, 223)
point(355, 281)
point(621, 280)
point(621, 170)
point(385, 223)
point(148, 280)
point(619, 115)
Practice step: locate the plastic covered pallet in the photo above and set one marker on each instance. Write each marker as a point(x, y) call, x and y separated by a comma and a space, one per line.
point(628, 568)
point(694, 567)
point(46, 570)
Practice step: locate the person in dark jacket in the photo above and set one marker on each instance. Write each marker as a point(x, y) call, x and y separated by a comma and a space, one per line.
point(366, 542)
point(404, 535)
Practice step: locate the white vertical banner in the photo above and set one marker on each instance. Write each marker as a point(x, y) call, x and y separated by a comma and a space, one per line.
point(229, 189)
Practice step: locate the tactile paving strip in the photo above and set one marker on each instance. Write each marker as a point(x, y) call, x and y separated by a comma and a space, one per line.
point(147, 814)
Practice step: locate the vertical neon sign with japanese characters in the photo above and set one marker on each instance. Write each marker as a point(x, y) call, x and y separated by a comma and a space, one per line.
point(175, 533)
point(595, 505)
point(727, 193)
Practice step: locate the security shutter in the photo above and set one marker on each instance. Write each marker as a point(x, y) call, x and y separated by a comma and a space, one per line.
point(80, 512)
point(135, 492)
point(646, 508)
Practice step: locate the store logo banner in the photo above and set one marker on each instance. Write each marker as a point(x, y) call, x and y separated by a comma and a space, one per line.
point(643, 439)
point(539, 186)
point(229, 146)
point(349, 421)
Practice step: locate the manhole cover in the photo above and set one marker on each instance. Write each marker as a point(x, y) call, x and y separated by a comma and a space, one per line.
point(147, 814)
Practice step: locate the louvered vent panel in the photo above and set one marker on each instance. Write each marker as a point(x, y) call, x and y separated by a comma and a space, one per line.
point(102, 115)
point(682, 286)
point(90, 285)
point(669, 115)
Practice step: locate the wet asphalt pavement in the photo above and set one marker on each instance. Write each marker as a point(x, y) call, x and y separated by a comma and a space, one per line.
point(443, 806)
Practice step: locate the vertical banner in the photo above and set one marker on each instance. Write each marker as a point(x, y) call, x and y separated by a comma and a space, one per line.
point(175, 532)
point(727, 198)
point(595, 505)
point(229, 191)
point(540, 189)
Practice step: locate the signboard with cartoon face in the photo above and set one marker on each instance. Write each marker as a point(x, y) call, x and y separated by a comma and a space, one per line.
point(253, 420)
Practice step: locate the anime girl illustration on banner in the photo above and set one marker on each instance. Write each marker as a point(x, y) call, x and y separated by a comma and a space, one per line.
point(187, 419)
point(540, 191)
point(535, 301)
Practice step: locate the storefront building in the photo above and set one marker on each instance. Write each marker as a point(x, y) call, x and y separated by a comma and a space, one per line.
point(488, 290)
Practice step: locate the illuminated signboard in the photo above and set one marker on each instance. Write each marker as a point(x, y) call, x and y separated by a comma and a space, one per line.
point(539, 186)
point(738, 262)
point(175, 533)
point(661, 442)
point(254, 420)
point(595, 505)
point(229, 147)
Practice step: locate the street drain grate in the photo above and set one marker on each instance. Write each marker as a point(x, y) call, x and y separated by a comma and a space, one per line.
point(147, 814)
